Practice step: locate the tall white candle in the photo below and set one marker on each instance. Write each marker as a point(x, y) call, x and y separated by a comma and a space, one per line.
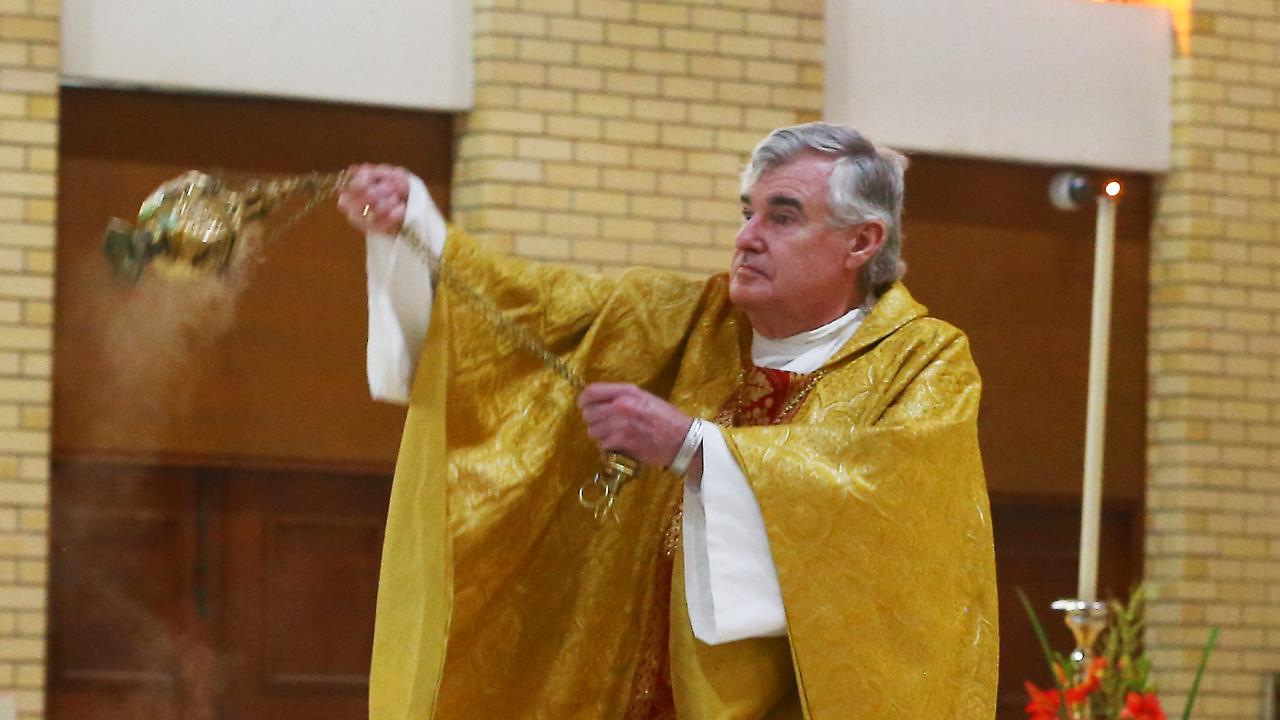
point(1096, 417)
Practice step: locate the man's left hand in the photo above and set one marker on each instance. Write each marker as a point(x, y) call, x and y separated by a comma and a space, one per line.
point(623, 418)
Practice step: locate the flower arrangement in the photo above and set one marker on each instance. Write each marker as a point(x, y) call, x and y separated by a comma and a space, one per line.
point(1116, 685)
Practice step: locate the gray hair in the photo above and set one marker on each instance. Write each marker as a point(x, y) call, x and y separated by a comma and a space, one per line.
point(866, 184)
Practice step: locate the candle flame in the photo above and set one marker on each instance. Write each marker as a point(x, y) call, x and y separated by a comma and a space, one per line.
point(1113, 189)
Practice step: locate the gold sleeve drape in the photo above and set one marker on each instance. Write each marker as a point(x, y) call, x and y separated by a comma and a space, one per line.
point(500, 597)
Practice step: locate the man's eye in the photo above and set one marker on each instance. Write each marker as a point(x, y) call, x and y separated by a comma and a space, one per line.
point(746, 215)
point(784, 219)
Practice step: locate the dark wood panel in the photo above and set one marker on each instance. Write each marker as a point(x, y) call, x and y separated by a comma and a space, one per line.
point(270, 368)
point(301, 587)
point(988, 252)
point(333, 564)
point(121, 630)
point(188, 593)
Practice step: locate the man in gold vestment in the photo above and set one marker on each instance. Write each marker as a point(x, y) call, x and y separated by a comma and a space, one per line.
point(809, 536)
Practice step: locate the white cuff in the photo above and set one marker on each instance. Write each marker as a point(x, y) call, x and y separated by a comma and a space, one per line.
point(731, 584)
point(400, 298)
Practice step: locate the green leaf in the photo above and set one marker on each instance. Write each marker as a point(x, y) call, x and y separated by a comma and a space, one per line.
point(1142, 674)
point(1204, 662)
point(1049, 654)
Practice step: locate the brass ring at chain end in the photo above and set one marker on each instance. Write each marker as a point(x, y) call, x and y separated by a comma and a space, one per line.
point(602, 506)
point(582, 492)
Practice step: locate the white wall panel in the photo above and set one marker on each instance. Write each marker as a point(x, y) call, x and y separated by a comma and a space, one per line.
point(1046, 81)
point(406, 53)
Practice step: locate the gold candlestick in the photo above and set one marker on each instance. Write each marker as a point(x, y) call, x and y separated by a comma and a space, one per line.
point(1086, 619)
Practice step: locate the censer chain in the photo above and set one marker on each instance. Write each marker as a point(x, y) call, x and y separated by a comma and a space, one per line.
point(597, 495)
point(600, 493)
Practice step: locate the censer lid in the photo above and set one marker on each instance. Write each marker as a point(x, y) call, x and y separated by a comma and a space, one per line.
point(187, 227)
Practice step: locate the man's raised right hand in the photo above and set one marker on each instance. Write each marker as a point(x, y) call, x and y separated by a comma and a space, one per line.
point(375, 198)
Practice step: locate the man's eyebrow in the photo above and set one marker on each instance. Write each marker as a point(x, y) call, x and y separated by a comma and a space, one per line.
point(776, 200)
point(785, 201)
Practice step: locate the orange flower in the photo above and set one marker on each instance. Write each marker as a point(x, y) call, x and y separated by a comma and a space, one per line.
point(1092, 683)
point(1044, 703)
point(1142, 706)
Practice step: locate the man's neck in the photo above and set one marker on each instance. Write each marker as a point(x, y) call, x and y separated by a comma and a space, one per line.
point(806, 350)
point(783, 328)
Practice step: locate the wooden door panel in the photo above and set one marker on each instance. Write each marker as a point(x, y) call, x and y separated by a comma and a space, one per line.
point(320, 576)
point(234, 603)
point(121, 585)
point(301, 584)
point(989, 253)
point(186, 593)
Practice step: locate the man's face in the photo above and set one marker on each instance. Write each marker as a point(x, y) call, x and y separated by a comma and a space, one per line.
point(791, 270)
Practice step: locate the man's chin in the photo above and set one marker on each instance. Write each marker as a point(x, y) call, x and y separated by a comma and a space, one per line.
point(747, 295)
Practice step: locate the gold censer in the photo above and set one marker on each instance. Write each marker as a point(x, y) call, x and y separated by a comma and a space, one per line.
point(196, 224)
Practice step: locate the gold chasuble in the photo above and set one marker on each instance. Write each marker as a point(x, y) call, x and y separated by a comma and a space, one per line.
point(501, 597)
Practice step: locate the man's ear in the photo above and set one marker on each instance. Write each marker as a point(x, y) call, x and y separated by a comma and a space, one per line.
point(864, 242)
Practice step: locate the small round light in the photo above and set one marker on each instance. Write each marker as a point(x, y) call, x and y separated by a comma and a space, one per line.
point(1112, 189)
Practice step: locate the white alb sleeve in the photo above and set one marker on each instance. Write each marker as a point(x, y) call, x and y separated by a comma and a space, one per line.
point(400, 298)
point(731, 583)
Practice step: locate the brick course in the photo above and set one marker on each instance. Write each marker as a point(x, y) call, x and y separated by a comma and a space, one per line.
point(1213, 534)
point(604, 131)
point(29, 52)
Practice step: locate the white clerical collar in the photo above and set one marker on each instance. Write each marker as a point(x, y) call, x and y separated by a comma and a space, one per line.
point(807, 351)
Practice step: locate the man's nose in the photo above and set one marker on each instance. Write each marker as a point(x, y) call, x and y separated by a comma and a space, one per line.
point(748, 238)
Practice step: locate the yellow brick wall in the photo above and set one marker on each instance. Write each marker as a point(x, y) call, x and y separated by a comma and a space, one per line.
point(29, 47)
point(1213, 543)
point(609, 133)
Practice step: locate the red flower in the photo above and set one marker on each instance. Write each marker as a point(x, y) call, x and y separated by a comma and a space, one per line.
point(1092, 683)
point(1044, 703)
point(1144, 706)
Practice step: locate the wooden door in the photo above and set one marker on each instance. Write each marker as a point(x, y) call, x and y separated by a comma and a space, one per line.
point(184, 585)
point(205, 593)
point(124, 633)
point(301, 578)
